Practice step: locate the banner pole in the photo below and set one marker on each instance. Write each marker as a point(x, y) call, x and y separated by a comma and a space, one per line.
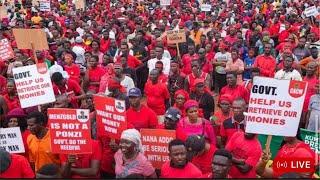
point(267, 147)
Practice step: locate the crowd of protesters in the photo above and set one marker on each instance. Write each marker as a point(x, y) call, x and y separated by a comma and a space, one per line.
point(199, 88)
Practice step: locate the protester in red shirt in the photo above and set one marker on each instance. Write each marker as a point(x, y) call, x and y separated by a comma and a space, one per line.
point(17, 118)
point(180, 97)
point(82, 165)
point(68, 87)
point(157, 94)
point(162, 77)
point(188, 58)
point(233, 89)
point(201, 152)
point(265, 62)
point(235, 123)
point(72, 69)
point(139, 115)
point(178, 166)
point(132, 61)
point(93, 75)
point(11, 97)
point(246, 152)
point(14, 166)
point(221, 164)
point(3, 85)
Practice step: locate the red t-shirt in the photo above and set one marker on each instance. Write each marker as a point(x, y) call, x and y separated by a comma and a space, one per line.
point(186, 61)
point(144, 118)
point(19, 168)
point(73, 71)
point(3, 85)
point(229, 127)
point(84, 160)
point(236, 92)
point(204, 161)
point(71, 88)
point(12, 103)
point(266, 64)
point(132, 61)
point(104, 45)
point(156, 96)
point(310, 91)
point(248, 150)
point(189, 171)
point(95, 76)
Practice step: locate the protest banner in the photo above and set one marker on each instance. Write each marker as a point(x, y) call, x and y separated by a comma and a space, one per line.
point(205, 7)
point(6, 51)
point(11, 140)
point(70, 131)
point(3, 12)
point(311, 138)
point(33, 85)
point(165, 2)
point(155, 145)
point(80, 4)
point(44, 5)
point(111, 116)
point(25, 39)
point(176, 36)
point(311, 11)
point(275, 106)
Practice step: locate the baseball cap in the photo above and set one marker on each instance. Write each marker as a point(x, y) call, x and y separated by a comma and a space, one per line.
point(173, 114)
point(134, 92)
point(195, 144)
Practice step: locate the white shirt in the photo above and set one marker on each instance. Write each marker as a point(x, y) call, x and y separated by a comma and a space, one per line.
point(291, 75)
point(79, 51)
point(127, 83)
point(166, 64)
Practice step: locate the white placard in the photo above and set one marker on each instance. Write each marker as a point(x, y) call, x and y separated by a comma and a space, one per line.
point(45, 6)
point(275, 106)
point(311, 11)
point(165, 2)
point(205, 7)
point(33, 88)
point(11, 140)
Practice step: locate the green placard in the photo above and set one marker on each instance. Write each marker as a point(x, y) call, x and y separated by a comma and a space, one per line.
point(274, 146)
point(311, 138)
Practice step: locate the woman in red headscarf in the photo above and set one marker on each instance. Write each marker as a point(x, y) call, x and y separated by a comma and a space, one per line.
point(224, 112)
point(193, 124)
point(180, 97)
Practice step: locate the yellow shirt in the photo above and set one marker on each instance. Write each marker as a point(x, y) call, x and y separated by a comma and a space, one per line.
point(40, 151)
point(36, 19)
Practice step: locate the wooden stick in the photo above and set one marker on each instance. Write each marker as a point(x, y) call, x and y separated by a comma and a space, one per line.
point(34, 53)
point(178, 50)
point(267, 147)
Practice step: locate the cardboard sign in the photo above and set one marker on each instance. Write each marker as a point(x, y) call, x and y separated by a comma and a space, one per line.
point(6, 51)
point(11, 140)
point(34, 88)
point(80, 4)
point(165, 2)
point(3, 12)
point(311, 11)
point(176, 36)
point(275, 106)
point(155, 145)
point(311, 138)
point(70, 131)
point(111, 116)
point(205, 7)
point(44, 6)
point(26, 37)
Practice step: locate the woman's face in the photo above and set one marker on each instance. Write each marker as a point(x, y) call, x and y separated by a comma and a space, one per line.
point(180, 100)
point(68, 59)
point(13, 122)
point(10, 87)
point(192, 113)
point(93, 62)
point(95, 45)
point(126, 146)
point(225, 106)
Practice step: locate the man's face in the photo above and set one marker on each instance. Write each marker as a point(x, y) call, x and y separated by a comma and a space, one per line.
point(170, 124)
point(287, 63)
point(314, 52)
point(174, 67)
point(124, 49)
point(302, 42)
point(220, 166)
point(159, 52)
point(118, 71)
point(238, 108)
point(134, 101)
point(231, 80)
point(159, 67)
point(311, 69)
point(178, 156)
point(202, 53)
point(191, 50)
point(154, 75)
point(267, 49)
point(33, 126)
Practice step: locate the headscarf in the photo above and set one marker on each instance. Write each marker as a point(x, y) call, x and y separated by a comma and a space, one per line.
point(134, 136)
point(16, 113)
point(225, 97)
point(191, 103)
point(182, 92)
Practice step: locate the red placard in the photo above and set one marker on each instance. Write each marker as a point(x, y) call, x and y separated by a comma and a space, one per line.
point(111, 116)
point(6, 51)
point(155, 144)
point(70, 131)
